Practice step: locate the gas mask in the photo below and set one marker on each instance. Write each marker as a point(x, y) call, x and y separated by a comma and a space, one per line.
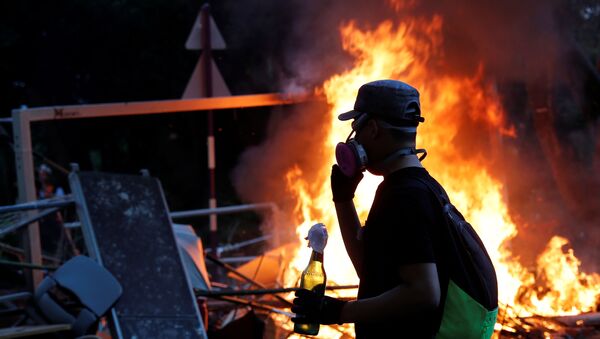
point(352, 158)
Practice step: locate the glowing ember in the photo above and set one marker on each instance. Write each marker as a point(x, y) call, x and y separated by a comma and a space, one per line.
point(407, 52)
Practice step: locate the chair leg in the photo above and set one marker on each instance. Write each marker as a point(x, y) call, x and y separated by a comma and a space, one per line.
point(33, 314)
point(21, 320)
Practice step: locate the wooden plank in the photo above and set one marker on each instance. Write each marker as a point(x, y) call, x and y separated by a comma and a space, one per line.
point(158, 106)
point(27, 192)
point(585, 319)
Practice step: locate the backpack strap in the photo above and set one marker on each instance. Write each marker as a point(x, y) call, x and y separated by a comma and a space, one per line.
point(447, 209)
point(454, 219)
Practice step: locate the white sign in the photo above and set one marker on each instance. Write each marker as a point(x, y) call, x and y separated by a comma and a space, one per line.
point(195, 86)
point(194, 40)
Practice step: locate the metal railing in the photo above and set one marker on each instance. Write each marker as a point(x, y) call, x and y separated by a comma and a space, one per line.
point(223, 210)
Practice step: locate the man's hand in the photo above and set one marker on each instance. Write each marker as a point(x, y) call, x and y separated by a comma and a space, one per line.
point(311, 307)
point(343, 187)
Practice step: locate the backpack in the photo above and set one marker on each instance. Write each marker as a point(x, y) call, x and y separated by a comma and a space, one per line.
point(471, 304)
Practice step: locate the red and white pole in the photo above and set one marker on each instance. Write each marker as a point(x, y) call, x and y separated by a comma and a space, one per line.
point(210, 142)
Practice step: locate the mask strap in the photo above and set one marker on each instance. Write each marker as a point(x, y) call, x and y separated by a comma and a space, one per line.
point(350, 136)
point(401, 153)
point(421, 150)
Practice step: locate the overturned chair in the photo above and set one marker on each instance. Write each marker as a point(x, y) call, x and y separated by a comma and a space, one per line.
point(70, 301)
point(79, 293)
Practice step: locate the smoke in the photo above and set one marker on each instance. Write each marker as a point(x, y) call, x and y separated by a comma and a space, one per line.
point(294, 140)
point(549, 88)
point(529, 55)
point(514, 39)
point(305, 37)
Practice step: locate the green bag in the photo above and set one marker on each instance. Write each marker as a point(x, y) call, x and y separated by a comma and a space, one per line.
point(464, 317)
point(471, 304)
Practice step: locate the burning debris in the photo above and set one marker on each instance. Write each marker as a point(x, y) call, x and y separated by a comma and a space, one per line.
point(467, 133)
point(580, 326)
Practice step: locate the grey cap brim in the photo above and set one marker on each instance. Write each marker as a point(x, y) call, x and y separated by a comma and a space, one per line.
point(349, 115)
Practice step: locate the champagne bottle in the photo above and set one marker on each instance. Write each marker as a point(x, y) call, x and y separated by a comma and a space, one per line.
point(314, 279)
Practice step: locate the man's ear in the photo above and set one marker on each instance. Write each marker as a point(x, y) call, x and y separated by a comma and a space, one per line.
point(373, 128)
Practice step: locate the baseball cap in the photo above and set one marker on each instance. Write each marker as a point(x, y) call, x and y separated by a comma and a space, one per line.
point(393, 101)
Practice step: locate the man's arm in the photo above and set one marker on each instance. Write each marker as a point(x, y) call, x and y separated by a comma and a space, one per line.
point(419, 292)
point(342, 188)
point(349, 227)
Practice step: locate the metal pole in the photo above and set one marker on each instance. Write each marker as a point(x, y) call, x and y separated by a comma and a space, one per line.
point(255, 305)
point(242, 244)
point(26, 183)
point(207, 93)
point(221, 210)
point(203, 293)
point(27, 265)
point(20, 253)
point(27, 221)
point(39, 204)
point(241, 275)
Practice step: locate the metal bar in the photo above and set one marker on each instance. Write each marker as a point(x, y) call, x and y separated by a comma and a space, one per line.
point(232, 260)
point(46, 160)
point(26, 184)
point(241, 275)
point(89, 237)
point(27, 265)
point(6, 120)
point(69, 225)
point(180, 262)
point(255, 304)
point(241, 244)
point(38, 204)
point(221, 210)
point(202, 293)
point(51, 163)
point(159, 106)
point(15, 296)
point(20, 253)
point(26, 222)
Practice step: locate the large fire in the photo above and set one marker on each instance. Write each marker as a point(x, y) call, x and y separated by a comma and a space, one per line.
point(407, 51)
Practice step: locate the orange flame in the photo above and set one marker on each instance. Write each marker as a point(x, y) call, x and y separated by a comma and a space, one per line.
point(409, 51)
point(560, 288)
